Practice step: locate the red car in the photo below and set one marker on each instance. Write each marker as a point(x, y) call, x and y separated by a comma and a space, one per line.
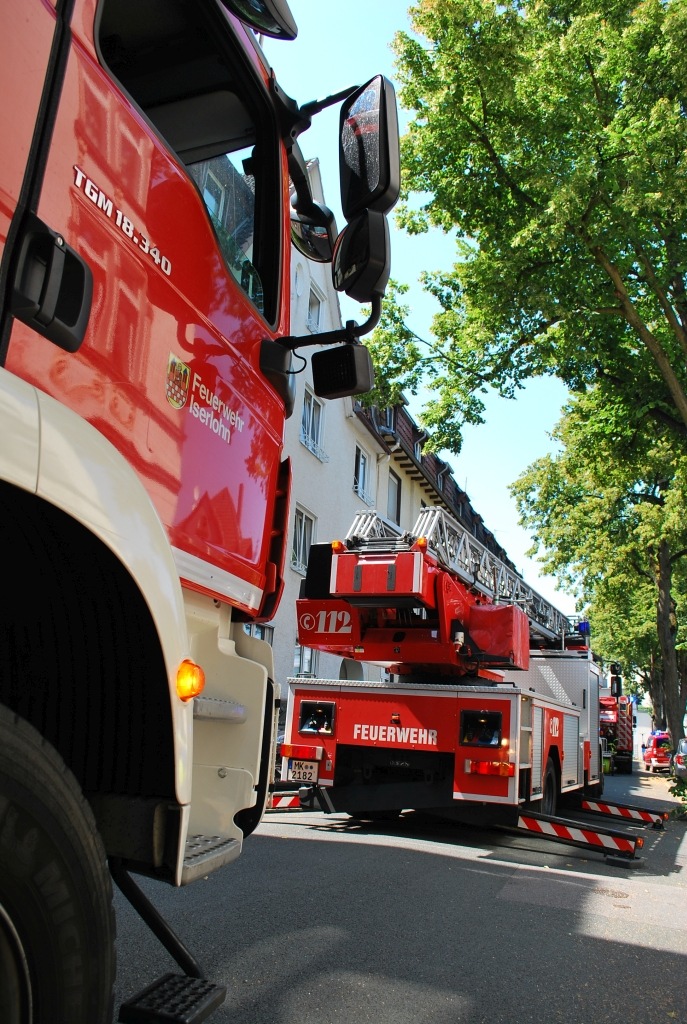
point(657, 752)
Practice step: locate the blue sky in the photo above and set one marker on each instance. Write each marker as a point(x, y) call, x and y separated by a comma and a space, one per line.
point(341, 45)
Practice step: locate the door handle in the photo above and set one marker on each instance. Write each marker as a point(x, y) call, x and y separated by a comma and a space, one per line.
point(53, 286)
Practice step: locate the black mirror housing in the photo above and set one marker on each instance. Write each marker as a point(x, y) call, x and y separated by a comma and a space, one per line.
point(362, 262)
point(271, 17)
point(314, 235)
point(369, 151)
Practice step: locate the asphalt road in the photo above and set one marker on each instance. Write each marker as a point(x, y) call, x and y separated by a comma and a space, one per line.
point(323, 920)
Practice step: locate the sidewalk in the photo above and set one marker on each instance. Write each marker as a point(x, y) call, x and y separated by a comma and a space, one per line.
point(641, 787)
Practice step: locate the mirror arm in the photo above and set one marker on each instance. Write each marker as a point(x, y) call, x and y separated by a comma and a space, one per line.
point(315, 106)
point(294, 120)
point(348, 334)
point(305, 205)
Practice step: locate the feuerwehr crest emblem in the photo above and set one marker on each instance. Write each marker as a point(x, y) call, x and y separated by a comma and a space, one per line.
point(178, 379)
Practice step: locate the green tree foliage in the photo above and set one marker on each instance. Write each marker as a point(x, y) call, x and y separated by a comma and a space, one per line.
point(610, 512)
point(553, 136)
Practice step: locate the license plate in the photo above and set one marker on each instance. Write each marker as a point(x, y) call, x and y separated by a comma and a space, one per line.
point(301, 771)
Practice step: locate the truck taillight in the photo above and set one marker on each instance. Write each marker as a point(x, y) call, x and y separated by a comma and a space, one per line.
point(302, 752)
point(503, 768)
point(679, 759)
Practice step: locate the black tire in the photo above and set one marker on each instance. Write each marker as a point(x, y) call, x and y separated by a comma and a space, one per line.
point(57, 930)
point(549, 798)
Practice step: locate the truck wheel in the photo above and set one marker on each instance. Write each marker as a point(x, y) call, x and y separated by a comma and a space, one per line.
point(57, 960)
point(550, 790)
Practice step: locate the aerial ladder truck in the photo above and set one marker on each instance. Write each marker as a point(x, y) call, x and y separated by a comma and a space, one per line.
point(487, 709)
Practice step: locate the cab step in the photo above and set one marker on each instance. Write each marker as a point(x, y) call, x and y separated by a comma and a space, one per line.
point(173, 999)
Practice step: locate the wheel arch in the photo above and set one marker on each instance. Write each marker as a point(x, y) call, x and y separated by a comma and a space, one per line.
point(97, 614)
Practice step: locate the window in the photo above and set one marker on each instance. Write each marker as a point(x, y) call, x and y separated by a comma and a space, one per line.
point(213, 196)
point(480, 728)
point(316, 716)
point(312, 424)
point(215, 115)
point(418, 450)
point(259, 631)
point(393, 505)
point(387, 418)
point(313, 320)
point(303, 530)
point(304, 661)
point(228, 191)
point(361, 479)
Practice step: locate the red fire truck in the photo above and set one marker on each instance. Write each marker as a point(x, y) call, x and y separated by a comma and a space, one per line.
point(490, 709)
point(616, 722)
point(151, 186)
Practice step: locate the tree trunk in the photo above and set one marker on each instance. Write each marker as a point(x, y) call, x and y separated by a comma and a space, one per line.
point(667, 631)
point(655, 689)
point(682, 670)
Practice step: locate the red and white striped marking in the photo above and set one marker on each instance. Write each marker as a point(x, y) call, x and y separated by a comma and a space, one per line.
point(600, 840)
point(282, 802)
point(620, 811)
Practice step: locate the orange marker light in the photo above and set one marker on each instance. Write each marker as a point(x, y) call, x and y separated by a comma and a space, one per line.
point(190, 680)
point(338, 547)
point(421, 543)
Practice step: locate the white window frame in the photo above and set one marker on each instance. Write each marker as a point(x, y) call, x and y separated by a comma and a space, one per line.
point(260, 631)
point(313, 320)
point(209, 195)
point(303, 537)
point(361, 474)
point(312, 425)
point(303, 656)
point(396, 517)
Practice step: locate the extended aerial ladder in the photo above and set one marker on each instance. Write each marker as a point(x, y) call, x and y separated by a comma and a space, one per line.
point(433, 598)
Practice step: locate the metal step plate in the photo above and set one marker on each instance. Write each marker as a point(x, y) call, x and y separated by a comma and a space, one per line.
point(173, 999)
point(204, 854)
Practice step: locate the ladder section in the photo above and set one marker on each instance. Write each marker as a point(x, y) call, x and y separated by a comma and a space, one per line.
point(462, 554)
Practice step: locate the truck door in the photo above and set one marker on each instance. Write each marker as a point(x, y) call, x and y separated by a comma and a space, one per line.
point(165, 174)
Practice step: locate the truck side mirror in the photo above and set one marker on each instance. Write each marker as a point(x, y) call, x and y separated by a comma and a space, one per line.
point(313, 226)
point(369, 153)
point(271, 17)
point(361, 257)
point(315, 235)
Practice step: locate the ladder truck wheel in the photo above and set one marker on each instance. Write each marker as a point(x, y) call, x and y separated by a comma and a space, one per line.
point(57, 929)
point(549, 790)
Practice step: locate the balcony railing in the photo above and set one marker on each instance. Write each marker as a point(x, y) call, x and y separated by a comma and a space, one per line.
point(363, 494)
point(314, 447)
